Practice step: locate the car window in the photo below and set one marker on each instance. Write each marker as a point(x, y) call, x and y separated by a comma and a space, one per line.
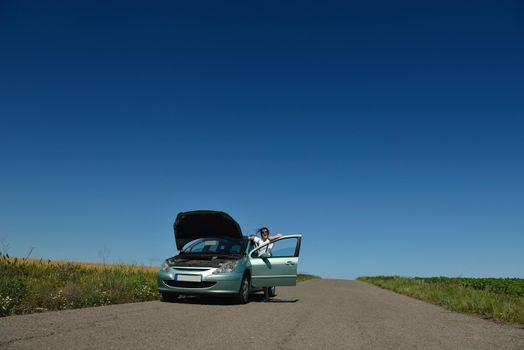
point(204, 246)
point(220, 246)
point(282, 248)
point(235, 249)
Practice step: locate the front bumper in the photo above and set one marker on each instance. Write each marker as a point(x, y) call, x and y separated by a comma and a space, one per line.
point(225, 283)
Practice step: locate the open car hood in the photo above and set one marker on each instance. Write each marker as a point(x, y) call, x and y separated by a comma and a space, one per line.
point(191, 225)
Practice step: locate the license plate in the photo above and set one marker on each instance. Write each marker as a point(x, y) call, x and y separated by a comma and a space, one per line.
point(188, 278)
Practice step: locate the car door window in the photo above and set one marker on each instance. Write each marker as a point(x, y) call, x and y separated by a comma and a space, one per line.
point(285, 247)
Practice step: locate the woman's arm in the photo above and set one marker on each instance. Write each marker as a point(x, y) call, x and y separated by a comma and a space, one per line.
point(275, 237)
point(253, 238)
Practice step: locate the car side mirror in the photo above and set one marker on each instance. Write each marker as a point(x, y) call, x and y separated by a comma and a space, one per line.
point(264, 255)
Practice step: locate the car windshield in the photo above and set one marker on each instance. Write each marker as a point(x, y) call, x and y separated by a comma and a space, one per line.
point(213, 246)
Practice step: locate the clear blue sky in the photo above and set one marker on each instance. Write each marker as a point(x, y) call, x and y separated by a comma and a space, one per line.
point(390, 134)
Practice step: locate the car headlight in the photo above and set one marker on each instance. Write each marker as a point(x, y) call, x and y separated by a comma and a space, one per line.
point(164, 266)
point(230, 266)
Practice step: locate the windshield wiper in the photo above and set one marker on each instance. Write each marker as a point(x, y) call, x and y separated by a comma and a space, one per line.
point(232, 255)
point(209, 255)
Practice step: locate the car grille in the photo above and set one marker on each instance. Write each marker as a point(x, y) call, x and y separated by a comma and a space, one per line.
point(185, 284)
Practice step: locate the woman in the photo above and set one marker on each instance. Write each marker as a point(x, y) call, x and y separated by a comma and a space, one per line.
point(264, 240)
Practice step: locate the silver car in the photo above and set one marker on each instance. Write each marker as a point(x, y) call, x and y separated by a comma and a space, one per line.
point(215, 258)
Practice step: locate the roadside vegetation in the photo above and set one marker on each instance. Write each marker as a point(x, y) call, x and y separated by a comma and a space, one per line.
point(304, 277)
point(32, 285)
point(493, 298)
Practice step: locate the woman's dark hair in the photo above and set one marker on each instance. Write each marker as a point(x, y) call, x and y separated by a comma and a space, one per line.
point(263, 228)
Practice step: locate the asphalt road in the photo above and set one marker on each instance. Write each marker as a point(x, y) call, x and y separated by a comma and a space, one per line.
point(317, 314)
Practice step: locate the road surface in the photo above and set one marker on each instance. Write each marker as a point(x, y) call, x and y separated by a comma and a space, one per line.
point(317, 314)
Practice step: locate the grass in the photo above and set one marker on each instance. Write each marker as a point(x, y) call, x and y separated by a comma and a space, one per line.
point(301, 277)
point(31, 285)
point(491, 298)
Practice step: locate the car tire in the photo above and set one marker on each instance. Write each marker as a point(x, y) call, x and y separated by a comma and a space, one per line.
point(272, 291)
point(169, 297)
point(243, 293)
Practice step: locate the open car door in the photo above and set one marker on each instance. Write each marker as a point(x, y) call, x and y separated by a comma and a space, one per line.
point(276, 264)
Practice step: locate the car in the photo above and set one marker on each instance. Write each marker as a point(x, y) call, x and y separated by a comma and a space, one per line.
point(215, 258)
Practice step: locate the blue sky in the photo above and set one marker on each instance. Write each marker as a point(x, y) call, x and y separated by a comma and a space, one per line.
point(388, 134)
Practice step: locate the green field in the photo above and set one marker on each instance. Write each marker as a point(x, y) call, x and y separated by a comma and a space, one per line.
point(30, 285)
point(493, 298)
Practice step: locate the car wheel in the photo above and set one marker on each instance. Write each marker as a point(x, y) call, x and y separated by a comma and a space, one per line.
point(272, 291)
point(243, 293)
point(169, 297)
